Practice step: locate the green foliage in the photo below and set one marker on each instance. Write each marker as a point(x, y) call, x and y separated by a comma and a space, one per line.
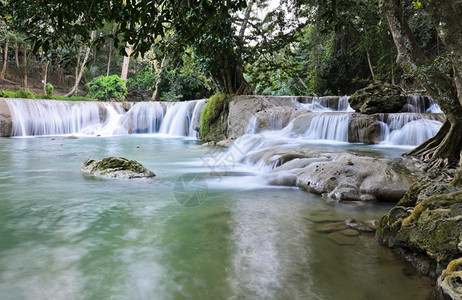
point(106, 88)
point(49, 89)
point(7, 94)
point(212, 110)
point(24, 93)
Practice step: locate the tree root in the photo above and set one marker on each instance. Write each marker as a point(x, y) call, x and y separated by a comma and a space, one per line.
point(441, 151)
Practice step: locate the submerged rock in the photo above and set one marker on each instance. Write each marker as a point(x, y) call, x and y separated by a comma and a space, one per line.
point(116, 167)
point(342, 239)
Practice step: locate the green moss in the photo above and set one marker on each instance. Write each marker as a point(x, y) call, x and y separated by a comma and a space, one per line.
point(410, 198)
point(457, 181)
point(213, 116)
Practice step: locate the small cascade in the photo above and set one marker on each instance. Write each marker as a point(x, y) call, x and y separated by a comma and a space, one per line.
point(421, 104)
point(333, 127)
point(143, 117)
point(252, 126)
point(408, 129)
point(316, 105)
point(344, 104)
point(328, 104)
point(178, 118)
point(111, 126)
point(49, 117)
point(195, 120)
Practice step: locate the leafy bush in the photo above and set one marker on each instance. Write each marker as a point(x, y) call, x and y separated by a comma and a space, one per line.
point(49, 89)
point(106, 88)
point(24, 93)
point(7, 94)
point(211, 112)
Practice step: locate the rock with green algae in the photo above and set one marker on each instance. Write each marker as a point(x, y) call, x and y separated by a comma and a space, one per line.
point(450, 281)
point(378, 98)
point(431, 229)
point(116, 167)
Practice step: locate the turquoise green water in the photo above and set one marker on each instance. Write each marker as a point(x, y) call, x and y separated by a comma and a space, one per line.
point(69, 236)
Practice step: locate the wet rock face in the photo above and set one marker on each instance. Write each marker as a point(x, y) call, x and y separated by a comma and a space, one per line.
point(5, 119)
point(116, 167)
point(432, 228)
point(378, 98)
point(364, 129)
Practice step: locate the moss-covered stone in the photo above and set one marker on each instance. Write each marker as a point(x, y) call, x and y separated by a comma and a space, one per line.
point(378, 98)
point(410, 198)
point(432, 228)
point(214, 118)
point(450, 281)
point(116, 167)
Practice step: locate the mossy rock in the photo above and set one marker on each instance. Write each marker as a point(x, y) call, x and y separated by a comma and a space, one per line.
point(450, 281)
point(410, 198)
point(214, 118)
point(432, 227)
point(116, 167)
point(378, 98)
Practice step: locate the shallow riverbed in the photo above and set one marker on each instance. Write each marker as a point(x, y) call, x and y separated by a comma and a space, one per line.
point(195, 231)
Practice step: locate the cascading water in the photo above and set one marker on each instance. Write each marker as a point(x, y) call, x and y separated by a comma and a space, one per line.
point(408, 129)
point(332, 127)
point(421, 104)
point(143, 117)
point(49, 117)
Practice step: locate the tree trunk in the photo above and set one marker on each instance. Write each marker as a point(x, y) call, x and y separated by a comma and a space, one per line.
point(158, 69)
point(109, 55)
point(5, 60)
point(124, 74)
point(45, 75)
point(443, 150)
point(82, 69)
point(16, 53)
point(369, 62)
point(25, 65)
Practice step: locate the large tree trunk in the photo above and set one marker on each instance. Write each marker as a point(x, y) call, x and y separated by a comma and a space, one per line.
point(126, 62)
point(230, 80)
point(5, 60)
point(444, 149)
point(158, 69)
point(82, 69)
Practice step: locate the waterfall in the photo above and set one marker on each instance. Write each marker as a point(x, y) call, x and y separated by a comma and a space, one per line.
point(344, 104)
point(195, 120)
point(49, 117)
point(328, 104)
point(406, 129)
point(179, 119)
point(421, 104)
point(332, 127)
point(143, 117)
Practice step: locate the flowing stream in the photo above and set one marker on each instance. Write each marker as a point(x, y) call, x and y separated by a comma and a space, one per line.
point(69, 236)
point(206, 227)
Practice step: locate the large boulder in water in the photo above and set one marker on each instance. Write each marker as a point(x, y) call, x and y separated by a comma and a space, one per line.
point(116, 167)
point(378, 98)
